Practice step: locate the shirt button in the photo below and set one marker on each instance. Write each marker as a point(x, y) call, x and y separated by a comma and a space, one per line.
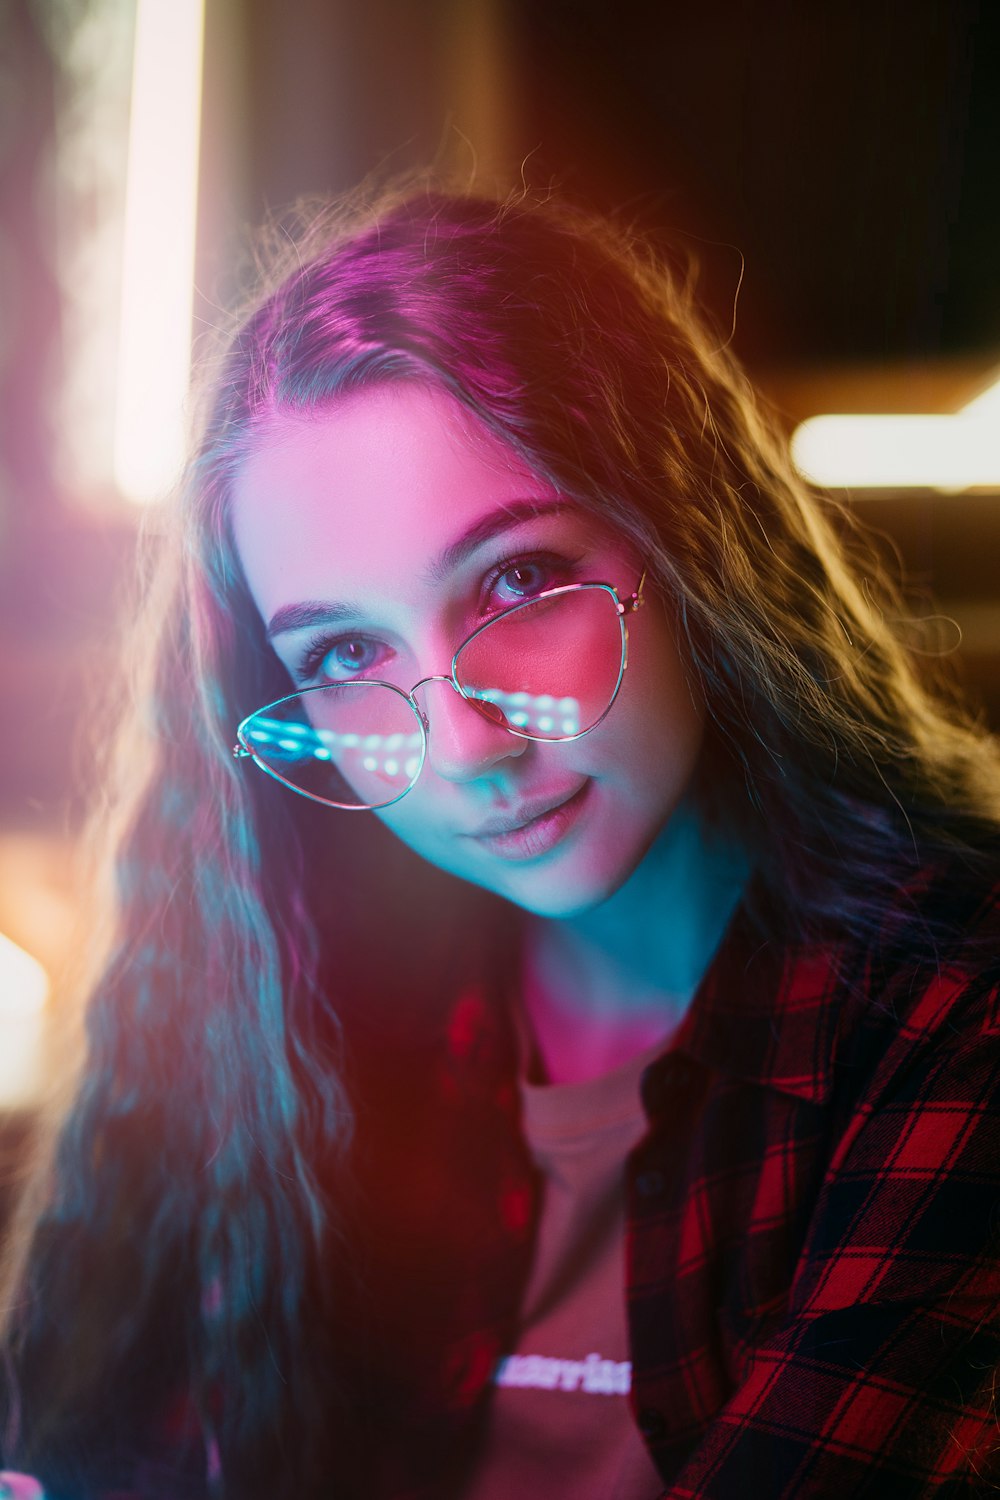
point(649, 1184)
point(651, 1423)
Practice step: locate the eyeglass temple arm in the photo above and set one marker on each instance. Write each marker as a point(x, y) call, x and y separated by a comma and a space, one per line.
point(634, 601)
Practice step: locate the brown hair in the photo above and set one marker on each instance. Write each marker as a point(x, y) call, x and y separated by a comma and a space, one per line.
point(187, 1158)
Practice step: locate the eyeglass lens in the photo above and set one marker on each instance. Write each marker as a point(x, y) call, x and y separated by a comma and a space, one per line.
point(551, 667)
point(547, 670)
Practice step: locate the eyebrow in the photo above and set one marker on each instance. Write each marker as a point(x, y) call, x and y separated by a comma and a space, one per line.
point(313, 612)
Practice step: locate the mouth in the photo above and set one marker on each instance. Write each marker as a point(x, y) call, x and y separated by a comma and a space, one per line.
point(532, 830)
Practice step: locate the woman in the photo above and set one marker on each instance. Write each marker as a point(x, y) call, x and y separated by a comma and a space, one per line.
point(618, 910)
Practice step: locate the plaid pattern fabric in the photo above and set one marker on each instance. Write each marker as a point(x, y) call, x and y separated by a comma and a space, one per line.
point(813, 1240)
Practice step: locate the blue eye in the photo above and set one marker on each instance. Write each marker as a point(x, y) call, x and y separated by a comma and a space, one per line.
point(343, 659)
point(524, 579)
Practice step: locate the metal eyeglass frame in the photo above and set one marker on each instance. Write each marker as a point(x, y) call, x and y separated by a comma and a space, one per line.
point(623, 608)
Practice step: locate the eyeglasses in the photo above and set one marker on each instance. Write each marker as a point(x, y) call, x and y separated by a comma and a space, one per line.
point(548, 670)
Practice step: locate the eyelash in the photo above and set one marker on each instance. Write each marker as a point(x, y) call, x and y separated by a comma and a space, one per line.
point(314, 651)
point(319, 646)
point(560, 565)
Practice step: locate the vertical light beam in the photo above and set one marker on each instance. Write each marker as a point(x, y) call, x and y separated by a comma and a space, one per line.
point(158, 267)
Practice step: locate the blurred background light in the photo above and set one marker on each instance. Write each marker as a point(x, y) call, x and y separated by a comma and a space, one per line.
point(92, 49)
point(159, 252)
point(986, 406)
point(24, 984)
point(950, 452)
point(24, 988)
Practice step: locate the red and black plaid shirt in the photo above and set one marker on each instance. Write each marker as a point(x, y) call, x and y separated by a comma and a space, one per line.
point(813, 1241)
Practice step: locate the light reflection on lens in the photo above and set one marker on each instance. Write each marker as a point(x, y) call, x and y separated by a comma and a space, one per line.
point(280, 739)
point(534, 712)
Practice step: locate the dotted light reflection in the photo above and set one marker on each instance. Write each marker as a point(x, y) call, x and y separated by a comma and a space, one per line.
point(290, 741)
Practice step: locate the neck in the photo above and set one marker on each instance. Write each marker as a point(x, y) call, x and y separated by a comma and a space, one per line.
point(604, 986)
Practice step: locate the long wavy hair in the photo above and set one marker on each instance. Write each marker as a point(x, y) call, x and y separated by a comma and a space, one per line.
point(196, 1162)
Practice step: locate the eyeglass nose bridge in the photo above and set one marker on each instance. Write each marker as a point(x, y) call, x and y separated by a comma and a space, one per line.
point(486, 710)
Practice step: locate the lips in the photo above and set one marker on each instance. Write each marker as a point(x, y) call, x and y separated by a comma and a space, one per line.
point(520, 817)
point(535, 828)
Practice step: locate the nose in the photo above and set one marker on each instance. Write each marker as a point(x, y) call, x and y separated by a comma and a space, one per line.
point(462, 743)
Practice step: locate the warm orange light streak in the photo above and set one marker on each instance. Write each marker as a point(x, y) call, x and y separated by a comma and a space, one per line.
point(952, 452)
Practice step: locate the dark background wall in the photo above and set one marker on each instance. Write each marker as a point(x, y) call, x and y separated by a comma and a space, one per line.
point(845, 151)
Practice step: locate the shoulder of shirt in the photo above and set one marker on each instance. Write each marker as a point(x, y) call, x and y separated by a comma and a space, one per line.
point(943, 976)
point(783, 1017)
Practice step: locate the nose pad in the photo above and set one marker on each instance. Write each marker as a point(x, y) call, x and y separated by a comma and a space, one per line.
point(465, 737)
point(492, 712)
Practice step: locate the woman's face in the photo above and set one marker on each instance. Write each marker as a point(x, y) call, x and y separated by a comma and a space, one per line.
point(409, 523)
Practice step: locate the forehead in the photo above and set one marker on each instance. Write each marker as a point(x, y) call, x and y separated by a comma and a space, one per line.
point(355, 497)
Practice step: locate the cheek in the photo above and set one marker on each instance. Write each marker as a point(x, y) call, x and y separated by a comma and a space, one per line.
point(658, 720)
point(673, 730)
point(420, 824)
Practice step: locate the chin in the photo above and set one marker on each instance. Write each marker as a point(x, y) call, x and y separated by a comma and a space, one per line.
point(561, 908)
point(564, 894)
